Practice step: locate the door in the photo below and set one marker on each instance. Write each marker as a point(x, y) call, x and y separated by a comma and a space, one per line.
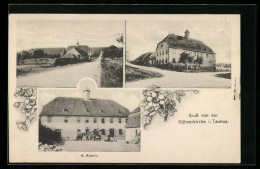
point(87, 130)
point(111, 132)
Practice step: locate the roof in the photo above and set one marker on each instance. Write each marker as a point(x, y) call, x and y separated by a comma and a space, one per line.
point(176, 41)
point(67, 106)
point(81, 52)
point(68, 56)
point(153, 55)
point(134, 119)
point(52, 51)
point(85, 48)
point(142, 58)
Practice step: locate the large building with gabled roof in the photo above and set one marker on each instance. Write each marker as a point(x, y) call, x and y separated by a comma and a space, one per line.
point(72, 115)
point(173, 46)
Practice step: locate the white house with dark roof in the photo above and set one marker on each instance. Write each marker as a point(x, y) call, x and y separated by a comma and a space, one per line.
point(73, 115)
point(172, 46)
point(133, 124)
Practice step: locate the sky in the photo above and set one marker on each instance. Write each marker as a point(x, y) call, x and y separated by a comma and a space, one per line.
point(63, 33)
point(143, 36)
point(129, 98)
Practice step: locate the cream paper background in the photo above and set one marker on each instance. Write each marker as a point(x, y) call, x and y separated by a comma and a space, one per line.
point(161, 142)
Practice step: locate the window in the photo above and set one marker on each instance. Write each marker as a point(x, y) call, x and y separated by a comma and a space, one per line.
point(173, 60)
point(120, 132)
point(163, 52)
point(49, 119)
point(166, 51)
point(103, 132)
point(119, 120)
point(161, 45)
point(126, 120)
point(102, 120)
point(66, 120)
point(95, 120)
point(166, 60)
point(78, 120)
point(78, 130)
point(111, 120)
point(86, 121)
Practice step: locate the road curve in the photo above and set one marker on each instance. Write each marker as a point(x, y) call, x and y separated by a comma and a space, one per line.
point(173, 79)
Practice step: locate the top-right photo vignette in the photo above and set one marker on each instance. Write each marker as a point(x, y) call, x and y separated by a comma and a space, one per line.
point(179, 54)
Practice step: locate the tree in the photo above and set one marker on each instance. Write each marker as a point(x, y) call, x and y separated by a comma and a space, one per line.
point(38, 53)
point(120, 39)
point(198, 62)
point(186, 59)
point(23, 55)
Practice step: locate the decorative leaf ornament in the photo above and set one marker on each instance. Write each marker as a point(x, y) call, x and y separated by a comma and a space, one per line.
point(162, 102)
point(28, 106)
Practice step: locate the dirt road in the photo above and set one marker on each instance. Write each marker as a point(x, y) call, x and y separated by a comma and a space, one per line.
point(63, 76)
point(180, 79)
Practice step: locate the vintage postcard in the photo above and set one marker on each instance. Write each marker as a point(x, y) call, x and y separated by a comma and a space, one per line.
point(110, 88)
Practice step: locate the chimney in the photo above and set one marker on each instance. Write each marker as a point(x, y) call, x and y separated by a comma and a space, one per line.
point(86, 94)
point(77, 44)
point(187, 34)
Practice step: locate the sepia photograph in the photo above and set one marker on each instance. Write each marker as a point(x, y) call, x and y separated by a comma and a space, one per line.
point(124, 88)
point(58, 53)
point(89, 120)
point(181, 53)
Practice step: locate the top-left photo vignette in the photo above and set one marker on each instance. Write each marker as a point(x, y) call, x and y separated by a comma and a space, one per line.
point(58, 53)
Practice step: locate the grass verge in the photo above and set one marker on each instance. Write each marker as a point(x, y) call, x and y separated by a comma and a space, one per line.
point(112, 73)
point(135, 74)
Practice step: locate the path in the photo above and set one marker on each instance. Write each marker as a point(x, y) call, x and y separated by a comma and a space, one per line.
point(180, 79)
point(99, 146)
point(67, 76)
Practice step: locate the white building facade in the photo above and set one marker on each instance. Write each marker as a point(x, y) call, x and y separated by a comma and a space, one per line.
point(73, 115)
point(170, 49)
point(133, 125)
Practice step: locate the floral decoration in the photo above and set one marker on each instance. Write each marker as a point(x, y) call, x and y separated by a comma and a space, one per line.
point(28, 106)
point(162, 102)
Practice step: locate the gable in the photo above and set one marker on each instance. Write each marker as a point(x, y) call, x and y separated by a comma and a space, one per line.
point(74, 52)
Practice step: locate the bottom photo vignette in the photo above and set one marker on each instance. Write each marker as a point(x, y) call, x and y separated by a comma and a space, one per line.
point(88, 119)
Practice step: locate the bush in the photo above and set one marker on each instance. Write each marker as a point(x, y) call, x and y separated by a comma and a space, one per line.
point(38, 61)
point(111, 73)
point(49, 136)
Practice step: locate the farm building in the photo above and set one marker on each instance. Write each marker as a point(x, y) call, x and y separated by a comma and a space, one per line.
point(72, 115)
point(81, 48)
point(133, 125)
point(75, 54)
point(143, 59)
point(170, 49)
point(68, 58)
